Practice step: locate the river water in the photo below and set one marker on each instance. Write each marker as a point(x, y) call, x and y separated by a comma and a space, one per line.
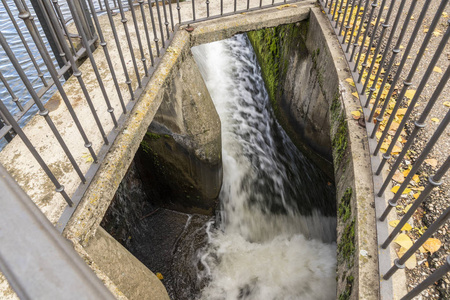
point(271, 239)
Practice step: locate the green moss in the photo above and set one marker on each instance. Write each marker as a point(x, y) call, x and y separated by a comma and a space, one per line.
point(152, 135)
point(340, 140)
point(346, 246)
point(345, 295)
point(345, 209)
point(145, 147)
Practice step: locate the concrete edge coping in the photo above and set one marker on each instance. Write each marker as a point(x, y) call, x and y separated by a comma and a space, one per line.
point(364, 187)
point(365, 228)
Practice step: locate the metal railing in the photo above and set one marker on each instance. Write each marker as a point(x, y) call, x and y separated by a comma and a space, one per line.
point(371, 34)
point(355, 23)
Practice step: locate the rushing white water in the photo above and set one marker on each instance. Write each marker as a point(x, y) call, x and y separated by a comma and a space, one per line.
point(272, 242)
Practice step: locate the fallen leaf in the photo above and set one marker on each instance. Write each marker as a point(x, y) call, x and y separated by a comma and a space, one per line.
point(404, 241)
point(432, 245)
point(435, 120)
point(416, 195)
point(350, 81)
point(416, 178)
point(395, 189)
point(160, 276)
point(432, 162)
point(356, 114)
point(398, 176)
point(410, 94)
point(437, 69)
point(355, 94)
point(406, 227)
point(447, 103)
point(411, 262)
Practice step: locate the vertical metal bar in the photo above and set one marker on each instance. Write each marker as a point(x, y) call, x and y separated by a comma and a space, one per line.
point(108, 58)
point(335, 9)
point(193, 9)
point(147, 36)
point(166, 21)
point(25, 15)
point(138, 36)
point(343, 18)
point(14, 98)
point(339, 14)
point(85, 41)
point(363, 17)
point(235, 6)
point(418, 125)
point(248, 4)
point(353, 28)
point(119, 49)
point(26, 141)
point(366, 32)
point(432, 183)
point(437, 275)
point(152, 18)
point(331, 5)
point(260, 3)
point(347, 27)
point(380, 42)
point(130, 45)
point(408, 81)
point(160, 23)
point(399, 263)
point(25, 44)
point(171, 14)
point(221, 7)
point(48, 31)
point(42, 111)
point(395, 51)
point(100, 4)
point(63, 24)
point(369, 47)
point(207, 8)
point(417, 164)
point(419, 90)
point(179, 12)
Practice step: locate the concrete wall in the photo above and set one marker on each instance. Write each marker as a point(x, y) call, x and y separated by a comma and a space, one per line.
point(180, 161)
point(305, 72)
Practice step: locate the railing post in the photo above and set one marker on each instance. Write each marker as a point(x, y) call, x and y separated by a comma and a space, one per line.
point(46, 25)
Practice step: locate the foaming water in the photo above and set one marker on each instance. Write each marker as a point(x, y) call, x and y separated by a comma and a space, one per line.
point(275, 235)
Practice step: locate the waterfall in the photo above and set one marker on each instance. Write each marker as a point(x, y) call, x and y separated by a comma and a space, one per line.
point(274, 237)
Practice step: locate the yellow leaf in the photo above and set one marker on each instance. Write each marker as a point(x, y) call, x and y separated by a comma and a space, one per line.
point(395, 189)
point(350, 81)
point(356, 114)
point(435, 120)
point(447, 103)
point(432, 245)
point(416, 195)
point(160, 276)
point(404, 241)
point(437, 69)
point(411, 262)
point(401, 111)
point(416, 178)
point(407, 208)
point(405, 227)
point(436, 33)
point(432, 162)
point(425, 30)
point(406, 172)
point(355, 94)
point(410, 94)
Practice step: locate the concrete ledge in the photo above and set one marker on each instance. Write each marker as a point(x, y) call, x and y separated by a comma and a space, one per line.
point(357, 269)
